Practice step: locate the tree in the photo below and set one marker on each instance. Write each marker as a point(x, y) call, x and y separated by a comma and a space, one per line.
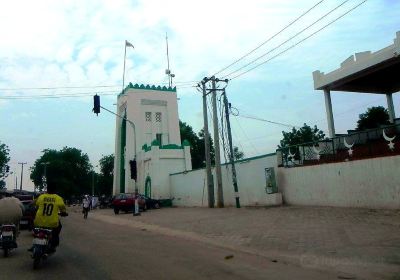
point(69, 169)
point(302, 135)
point(105, 182)
point(4, 159)
point(373, 118)
point(237, 154)
point(197, 148)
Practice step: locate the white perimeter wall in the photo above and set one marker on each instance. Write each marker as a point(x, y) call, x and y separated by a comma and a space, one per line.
point(370, 183)
point(190, 188)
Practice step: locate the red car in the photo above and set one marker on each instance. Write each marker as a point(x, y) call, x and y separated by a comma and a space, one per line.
point(126, 202)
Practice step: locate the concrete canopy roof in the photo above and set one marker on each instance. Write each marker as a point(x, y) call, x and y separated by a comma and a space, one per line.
point(377, 72)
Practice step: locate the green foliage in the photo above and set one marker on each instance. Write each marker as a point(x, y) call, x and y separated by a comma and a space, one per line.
point(4, 159)
point(237, 154)
point(373, 118)
point(68, 169)
point(302, 135)
point(105, 179)
point(197, 148)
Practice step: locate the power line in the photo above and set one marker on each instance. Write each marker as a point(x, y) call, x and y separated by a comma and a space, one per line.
point(53, 88)
point(45, 96)
point(301, 41)
point(245, 135)
point(184, 83)
point(284, 42)
point(66, 95)
point(270, 38)
point(268, 121)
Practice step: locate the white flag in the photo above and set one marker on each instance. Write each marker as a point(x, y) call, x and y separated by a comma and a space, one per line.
point(127, 44)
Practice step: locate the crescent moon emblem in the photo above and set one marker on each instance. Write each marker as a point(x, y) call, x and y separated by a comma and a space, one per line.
point(347, 145)
point(290, 154)
point(386, 137)
point(316, 150)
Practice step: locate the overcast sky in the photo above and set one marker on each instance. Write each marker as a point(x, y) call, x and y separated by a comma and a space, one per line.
point(81, 44)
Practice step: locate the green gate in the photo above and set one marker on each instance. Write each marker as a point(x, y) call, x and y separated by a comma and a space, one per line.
point(147, 189)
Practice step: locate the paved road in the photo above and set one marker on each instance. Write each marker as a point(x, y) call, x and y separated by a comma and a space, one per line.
point(93, 249)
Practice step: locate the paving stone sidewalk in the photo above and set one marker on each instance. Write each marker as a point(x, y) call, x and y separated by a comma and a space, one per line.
point(363, 243)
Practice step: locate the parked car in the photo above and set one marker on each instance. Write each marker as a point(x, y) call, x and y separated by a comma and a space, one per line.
point(151, 203)
point(28, 215)
point(29, 212)
point(126, 201)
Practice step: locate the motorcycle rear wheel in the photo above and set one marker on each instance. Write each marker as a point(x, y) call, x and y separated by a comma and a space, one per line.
point(6, 252)
point(36, 262)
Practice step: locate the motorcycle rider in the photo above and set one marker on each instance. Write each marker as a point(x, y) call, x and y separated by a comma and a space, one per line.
point(48, 206)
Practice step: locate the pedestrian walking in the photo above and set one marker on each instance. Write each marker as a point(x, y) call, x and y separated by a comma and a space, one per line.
point(86, 206)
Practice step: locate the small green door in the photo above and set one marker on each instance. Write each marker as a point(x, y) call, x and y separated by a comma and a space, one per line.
point(147, 189)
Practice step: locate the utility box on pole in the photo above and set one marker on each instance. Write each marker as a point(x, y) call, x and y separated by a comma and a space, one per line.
point(270, 186)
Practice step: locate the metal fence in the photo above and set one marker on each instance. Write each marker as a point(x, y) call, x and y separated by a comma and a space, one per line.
point(379, 142)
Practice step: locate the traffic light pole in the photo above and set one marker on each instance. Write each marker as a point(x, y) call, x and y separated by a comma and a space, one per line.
point(134, 133)
point(130, 122)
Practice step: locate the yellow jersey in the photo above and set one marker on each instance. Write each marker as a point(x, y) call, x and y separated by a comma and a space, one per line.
point(48, 206)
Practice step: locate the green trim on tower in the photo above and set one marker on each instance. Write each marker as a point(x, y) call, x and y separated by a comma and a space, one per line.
point(122, 156)
point(171, 147)
point(155, 142)
point(147, 87)
point(186, 143)
point(146, 148)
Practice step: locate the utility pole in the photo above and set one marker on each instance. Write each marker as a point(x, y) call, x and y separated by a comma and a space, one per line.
point(93, 183)
point(231, 159)
point(93, 175)
point(220, 198)
point(210, 182)
point(22, 172)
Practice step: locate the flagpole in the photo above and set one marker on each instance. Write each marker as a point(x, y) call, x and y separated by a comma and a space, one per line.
point(123, 74)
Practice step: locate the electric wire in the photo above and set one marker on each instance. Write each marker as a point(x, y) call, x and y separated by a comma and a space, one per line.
point(268, 121)
point(299, 42)
point(184, 83)
point(45, 96)
point(270, 38)
point(55, 88)
point(245, 135)
point(284, 42)
point(65, 95)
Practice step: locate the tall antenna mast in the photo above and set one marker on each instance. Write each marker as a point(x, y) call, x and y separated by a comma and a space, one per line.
point(168, 71)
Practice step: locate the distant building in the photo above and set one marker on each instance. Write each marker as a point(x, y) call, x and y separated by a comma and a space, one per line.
point(148, 137)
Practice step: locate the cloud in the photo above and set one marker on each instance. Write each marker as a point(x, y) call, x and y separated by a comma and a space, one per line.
point(69, 43)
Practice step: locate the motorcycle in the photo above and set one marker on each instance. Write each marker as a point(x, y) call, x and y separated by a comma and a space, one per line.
point(41, 245)
point(7, 238)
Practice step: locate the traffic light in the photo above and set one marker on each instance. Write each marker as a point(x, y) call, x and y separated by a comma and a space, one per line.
point(132, 164)
point(96, 104)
